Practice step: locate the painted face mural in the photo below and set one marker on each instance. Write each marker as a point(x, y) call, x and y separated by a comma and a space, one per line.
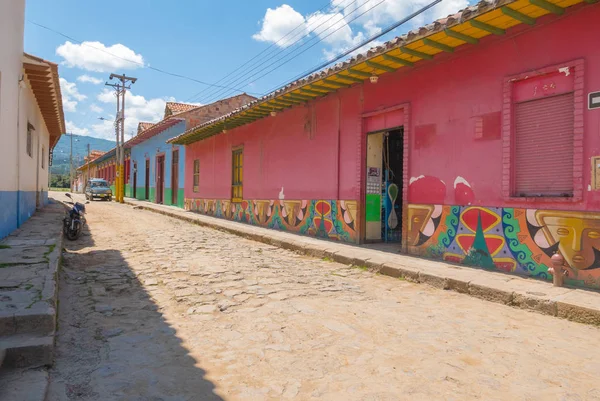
point(577, 235)
point(422, 222)
point(349, 212)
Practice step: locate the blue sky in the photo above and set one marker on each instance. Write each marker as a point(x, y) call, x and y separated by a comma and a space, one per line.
point(203, 40)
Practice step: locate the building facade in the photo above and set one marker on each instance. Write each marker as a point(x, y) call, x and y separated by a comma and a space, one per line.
point(474, 140)
point(156, 170)
point(31, 121)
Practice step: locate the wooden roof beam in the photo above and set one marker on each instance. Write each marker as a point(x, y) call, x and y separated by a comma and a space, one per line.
point(553, 8)
point(311, 92)
point(416, 53)
point(335, 83)
point(397, 60)
point(378, 66)
point(490, 28)
point(299, 96)
point(360, 73)
point(291, 98)
point(438, 45)
point(321, 88)
point(460, 36)
point(514, 14)
point(349, 78)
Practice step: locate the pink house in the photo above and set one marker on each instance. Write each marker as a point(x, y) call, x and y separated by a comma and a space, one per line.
point(475, 139)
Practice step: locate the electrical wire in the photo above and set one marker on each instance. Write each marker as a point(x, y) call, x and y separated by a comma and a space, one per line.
point(353, 49)
point(257, 55)
point(252, 79)
point(141, 64)
point(218, 92)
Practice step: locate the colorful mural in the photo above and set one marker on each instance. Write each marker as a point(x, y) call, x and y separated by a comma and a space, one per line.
point(509, 239)
point(328, 219)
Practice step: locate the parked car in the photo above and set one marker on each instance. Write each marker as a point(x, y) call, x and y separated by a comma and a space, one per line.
point(98, 188)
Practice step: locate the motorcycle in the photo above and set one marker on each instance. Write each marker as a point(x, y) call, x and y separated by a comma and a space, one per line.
point(75, 220)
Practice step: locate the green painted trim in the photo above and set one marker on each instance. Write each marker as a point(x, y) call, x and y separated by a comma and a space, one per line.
point(514, 14)
point(397, 60)
point(553, 8)
point(489, 28)
point(460, 36)
point(438, 45)
point(416, 53)
point(380, 66)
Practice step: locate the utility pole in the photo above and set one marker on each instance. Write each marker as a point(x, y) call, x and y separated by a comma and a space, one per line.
point(87, 174)
point(71, 183)
point(120, 89)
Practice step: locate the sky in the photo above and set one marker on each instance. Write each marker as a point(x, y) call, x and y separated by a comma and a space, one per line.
point(243, 46)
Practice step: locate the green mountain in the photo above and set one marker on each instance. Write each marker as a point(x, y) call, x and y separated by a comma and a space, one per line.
point(62, 151)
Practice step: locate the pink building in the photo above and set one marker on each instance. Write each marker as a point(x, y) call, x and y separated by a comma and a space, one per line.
point(477, 143)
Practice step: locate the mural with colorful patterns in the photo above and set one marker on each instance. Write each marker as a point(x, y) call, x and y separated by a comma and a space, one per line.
point(329, 219)
point(509, 239)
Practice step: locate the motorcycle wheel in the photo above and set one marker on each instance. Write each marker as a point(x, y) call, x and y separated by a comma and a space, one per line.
point(73, 234)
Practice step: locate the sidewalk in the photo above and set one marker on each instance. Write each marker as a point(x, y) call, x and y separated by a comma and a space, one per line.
point(579, 305)
point(29, 260)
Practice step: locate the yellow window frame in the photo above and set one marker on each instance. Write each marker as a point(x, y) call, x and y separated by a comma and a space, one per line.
point(196, 178)
point(237, 174)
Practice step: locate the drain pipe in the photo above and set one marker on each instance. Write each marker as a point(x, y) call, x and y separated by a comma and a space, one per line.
point(557, 270)
point(21, 79)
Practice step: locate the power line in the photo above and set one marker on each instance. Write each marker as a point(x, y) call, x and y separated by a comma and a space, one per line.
point(240, 79)
point(141, 64)
point(349, 51)
point(257, 55)
point(308, 48)
point(213, 92)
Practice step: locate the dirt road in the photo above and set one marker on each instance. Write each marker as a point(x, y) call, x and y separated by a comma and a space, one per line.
point(152, 308)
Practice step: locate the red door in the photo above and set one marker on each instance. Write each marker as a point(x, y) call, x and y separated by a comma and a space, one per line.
point(160, 179)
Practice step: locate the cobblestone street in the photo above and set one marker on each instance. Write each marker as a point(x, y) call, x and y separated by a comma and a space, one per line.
point(152, 308)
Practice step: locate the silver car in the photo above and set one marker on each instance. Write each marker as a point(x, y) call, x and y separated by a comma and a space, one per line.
point(98, 188)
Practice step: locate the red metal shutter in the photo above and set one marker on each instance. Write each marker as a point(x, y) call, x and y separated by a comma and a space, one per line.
point(543, 162)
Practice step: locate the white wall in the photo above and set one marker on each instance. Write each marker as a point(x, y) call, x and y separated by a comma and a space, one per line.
point(31, 171)
point(12, 20)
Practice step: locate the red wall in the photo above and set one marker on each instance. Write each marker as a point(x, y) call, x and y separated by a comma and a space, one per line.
point(297, 149)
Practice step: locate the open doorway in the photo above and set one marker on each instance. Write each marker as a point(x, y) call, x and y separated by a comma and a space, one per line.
point(383, 195)
point(160, 179)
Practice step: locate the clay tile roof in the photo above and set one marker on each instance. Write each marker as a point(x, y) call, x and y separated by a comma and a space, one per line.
point(413, 47)
point(173, 108)
point(143, 125)
point(44, 81)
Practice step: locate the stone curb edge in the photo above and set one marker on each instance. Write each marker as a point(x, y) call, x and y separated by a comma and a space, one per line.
point(552, 307)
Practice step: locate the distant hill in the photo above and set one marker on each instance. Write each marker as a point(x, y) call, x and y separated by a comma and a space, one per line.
point(62, 151)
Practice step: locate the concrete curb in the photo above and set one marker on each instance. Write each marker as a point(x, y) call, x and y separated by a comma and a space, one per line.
point(538, 296)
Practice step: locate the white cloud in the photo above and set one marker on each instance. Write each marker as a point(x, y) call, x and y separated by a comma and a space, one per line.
point(330, 28)
point(90, 79)
point(347, 23)
point(70, 95)
point(278, 23)
point(95, 56)
point(74, 129)
point(95, 108)
point(137, 108)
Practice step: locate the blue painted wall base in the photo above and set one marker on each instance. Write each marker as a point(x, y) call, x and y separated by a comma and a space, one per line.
point(16, 207)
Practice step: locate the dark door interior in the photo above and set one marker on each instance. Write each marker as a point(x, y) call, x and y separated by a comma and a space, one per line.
point(175, 176)
point(393, 155)
point(147, 180)
point(160, 179)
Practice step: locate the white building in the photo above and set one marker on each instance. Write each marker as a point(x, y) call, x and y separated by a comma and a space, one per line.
point(31, 121)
